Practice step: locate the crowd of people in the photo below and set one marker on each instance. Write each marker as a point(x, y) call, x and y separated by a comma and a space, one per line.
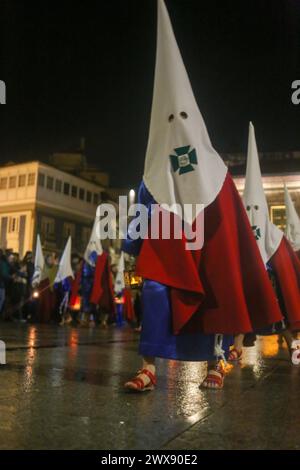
point(15, 285)
point(22, 300)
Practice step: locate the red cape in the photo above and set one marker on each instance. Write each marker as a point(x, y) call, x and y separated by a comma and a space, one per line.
point(222, 288)
point(128, 307)
point(102, 291)
point(286, 265)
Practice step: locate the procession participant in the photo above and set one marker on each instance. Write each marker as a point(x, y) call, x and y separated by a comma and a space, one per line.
point(19, 293)
point(119, 288)
point(62, 283)
point(39, 263)
point(102, 295)
point(4, 279)
point(87, 280)
point(193, 300)
point(93, 249)
point(28, 260)
point(75, 294)
point(276, 252)
point(47, 296)
point(97, 287)
point(292, 231)
point(12, 268)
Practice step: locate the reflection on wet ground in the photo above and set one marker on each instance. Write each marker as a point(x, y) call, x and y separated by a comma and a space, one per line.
point(62, 389)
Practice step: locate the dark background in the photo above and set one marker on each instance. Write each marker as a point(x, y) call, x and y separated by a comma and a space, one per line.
point(86, 69)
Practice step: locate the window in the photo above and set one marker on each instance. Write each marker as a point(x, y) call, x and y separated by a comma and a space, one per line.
point(95, 199)
point(3, 183)
point(74, 191)
point(41, 179)
point(48, 226)
point(66, 189)
point(50, 182)
point(12, 181)
point(81, 194)
point(13, 224)
point(22, 181)
point(58, 186)
point(31, 179)
point(88, 196)
point(69, 230)
point(278, 216)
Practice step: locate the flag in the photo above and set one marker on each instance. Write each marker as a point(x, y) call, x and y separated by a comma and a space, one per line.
point(223, 287)
point(39, 263)
point(119, 281)
point(267, 235)
point(292, 232)
point(64, 268)
point(94, 247)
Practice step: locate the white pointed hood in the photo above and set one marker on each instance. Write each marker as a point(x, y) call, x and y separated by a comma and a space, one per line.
point(292, 221)
point(65, 268)
point(267, 235)
point(39, 263)
point(181, 165)
point(94, 247)
point(119, 281)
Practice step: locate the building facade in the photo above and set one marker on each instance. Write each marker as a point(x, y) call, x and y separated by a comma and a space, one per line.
point(38, 198)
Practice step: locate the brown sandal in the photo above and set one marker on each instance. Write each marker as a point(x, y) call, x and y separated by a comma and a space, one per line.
point(138, 385)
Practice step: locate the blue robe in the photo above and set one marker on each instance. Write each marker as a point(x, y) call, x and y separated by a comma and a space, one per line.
point(157, 337)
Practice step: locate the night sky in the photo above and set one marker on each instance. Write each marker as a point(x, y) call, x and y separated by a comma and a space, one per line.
point(87, 69)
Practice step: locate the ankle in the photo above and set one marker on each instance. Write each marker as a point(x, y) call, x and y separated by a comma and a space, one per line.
point(150, 367)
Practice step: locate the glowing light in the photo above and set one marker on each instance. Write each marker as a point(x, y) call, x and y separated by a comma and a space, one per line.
point(131, 196)
point(77, 304)
point(35, 294)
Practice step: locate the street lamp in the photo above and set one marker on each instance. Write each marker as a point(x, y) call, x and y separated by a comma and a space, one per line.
point(131, 197)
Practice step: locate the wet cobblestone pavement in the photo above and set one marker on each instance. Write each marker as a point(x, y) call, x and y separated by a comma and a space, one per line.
point(62, 389)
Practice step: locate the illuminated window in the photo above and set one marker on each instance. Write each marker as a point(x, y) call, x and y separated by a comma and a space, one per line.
point(74, 191)
point(41, 179)
point(22, 181)
point(48, 226)
point(3, 183)
point(66, 189)
point(50, 182)
point(58, 186)
point(81, 194)
point(69, 230)
point(31, 179)
point(13, 224)
point(278, 216)
point(12, 181)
